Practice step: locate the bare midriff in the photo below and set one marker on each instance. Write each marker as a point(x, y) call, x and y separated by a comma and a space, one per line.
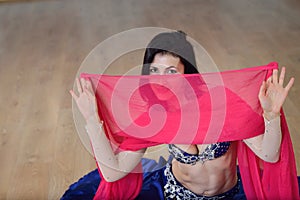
point(210, 178)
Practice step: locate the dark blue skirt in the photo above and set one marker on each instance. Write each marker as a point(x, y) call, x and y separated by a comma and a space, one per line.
point(86, 187)
point(153, 183)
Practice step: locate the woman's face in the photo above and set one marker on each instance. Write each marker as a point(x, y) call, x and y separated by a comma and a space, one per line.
point(165, 64)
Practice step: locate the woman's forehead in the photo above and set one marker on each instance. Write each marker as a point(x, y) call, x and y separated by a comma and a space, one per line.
point(166, 60)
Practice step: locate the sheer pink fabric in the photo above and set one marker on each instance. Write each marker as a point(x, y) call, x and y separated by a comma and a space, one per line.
point(143, 111)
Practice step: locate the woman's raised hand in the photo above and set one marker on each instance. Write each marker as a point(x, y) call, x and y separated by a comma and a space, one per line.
point(86, 100)
point(272, 94)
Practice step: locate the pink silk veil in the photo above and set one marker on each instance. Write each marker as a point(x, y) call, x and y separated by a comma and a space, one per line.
point(143, 111)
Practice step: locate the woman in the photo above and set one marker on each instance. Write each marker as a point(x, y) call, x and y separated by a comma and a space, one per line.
point(197, 171)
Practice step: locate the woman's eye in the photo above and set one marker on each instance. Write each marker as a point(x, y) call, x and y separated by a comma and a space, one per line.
point(153, 70)
point(172, 71)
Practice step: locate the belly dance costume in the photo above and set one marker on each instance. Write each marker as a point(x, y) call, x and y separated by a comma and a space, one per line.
point(174, 190)
point(159, 183)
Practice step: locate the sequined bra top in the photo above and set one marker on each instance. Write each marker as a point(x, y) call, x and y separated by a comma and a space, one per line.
point(212, 151)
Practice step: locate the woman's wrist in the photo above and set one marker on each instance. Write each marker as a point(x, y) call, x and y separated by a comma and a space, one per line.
point(93, 125)
point(93, 118)
point(270, 115)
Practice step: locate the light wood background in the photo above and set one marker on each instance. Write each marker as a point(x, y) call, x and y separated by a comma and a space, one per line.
point(42, 44)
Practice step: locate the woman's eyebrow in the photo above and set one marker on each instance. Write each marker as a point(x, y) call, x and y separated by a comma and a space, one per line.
point(171, 67)
point(166, 67)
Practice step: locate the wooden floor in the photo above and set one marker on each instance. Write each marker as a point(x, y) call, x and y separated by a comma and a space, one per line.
point(42, 44)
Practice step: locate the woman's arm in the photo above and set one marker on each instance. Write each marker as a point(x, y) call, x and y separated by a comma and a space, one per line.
point(267, 146)
point(113, 166)
point(272, 95)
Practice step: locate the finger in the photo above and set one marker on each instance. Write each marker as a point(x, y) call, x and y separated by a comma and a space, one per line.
point(82, 80)
point(90, 94)
point(262, 90)
point(268, 82)
point(85, 88)
point(75, 97)
point(79, 87)
point(85, 85)
point(282, 74)
point(89, 86)
point(290, 84)
point(275, 76)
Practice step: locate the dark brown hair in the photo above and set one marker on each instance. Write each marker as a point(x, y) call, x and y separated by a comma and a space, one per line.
point(174, 43)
